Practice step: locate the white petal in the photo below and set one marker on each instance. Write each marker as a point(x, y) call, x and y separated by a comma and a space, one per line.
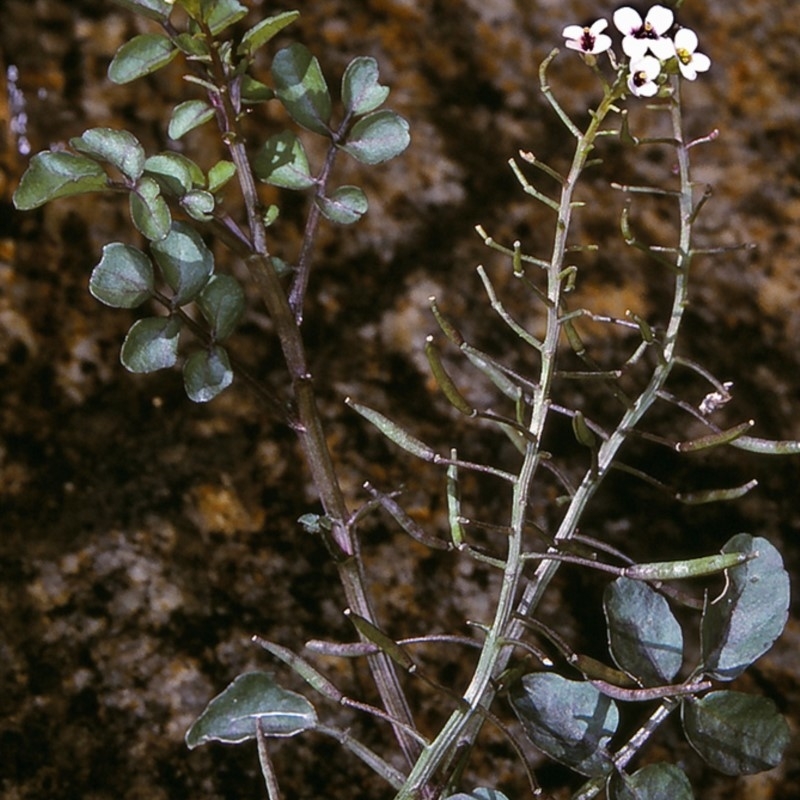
point(572, 32)
point(686, 39)
point(660, 18)
point(601, 44)
point(687, 70)
point(574, 44)
point(650, 66)
point(647, 89)
point(701, 62)
point(598, 27)
point(661, 48)
point(627, 19)
point(634, 48)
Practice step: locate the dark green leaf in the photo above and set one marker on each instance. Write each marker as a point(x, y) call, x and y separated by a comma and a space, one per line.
point(142, 55)
point(377, 137)
point(222, 14)
point(55, 174)
point(185, 260)
point(644, 637)
point(193, 46)
point(149, 211)
point(119, 148)
point(653, 782)
point(283, 162)
point(222, 302)
point(206, 373)
point(260, 34)
point(301, 87)
point(123, 278)
point(151, 344)
point(736, 733)
point(220, 174)
point(361, 91)
point(231, 716)
point(254, 91)
point(187, 116)
point(175, 173)
point(744, 623)
point(570, 721)
point(159, 10)
point(198, 204)
point(345, 206)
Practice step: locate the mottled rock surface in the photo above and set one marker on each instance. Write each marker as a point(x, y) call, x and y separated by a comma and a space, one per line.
point(144, 539)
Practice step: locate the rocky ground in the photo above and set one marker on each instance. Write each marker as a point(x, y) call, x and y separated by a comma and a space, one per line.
point(144, 539)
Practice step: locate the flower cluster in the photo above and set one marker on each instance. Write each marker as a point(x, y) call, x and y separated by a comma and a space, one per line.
point(646, 43)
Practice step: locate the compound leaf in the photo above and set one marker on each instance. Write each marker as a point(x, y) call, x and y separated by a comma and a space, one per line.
point(185, 260)
point(222, 14)
point(653, 782)
point(231, 716)
point(119, 148)
point(265, 30)
point(175, 173)
point(222, 302)
point(644, 637)
point(159, 10)
point(736, 733)
point(282, 162)
point(220, 174)
point(148, 209)
point(206, 373)
point(187, 116)
point(123, 278)
point(361, 91)
point(377, 137)
point(57, 174)
point(570, 721)
point(301, 87)
point(345, 206)
point(743, 624)
point(151, 344)
point(141, 56)
point(198, 204)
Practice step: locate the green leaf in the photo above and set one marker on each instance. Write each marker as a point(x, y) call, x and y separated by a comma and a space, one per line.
point(361, 91)
point(187, 116)
point(479, 794)
point(345, 206)
point(151, 344)
point(231, 716)
point(220, 174)
point(175, 173)
point(300, 86)
point(736, 733)
point(185, 260)
point(199, 204)
point(282, 161)
point(119, 148)
point(206, 373)
point(56, 174)
point(254, 91)
point(123, 278)
point(193, 45)
point(260, 34)
point(644, 637)
point(222, 14)
point(743, 624)
point(570, 721)
point(148, 209)
point(377, 137)
point(159, 10)
point(653, 782)
point(141, 56)
point(222, 302)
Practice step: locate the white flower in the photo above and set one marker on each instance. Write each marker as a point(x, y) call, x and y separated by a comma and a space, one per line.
point(587, 40)
point(689, 61)
point(648, 34)
point(643, 74)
